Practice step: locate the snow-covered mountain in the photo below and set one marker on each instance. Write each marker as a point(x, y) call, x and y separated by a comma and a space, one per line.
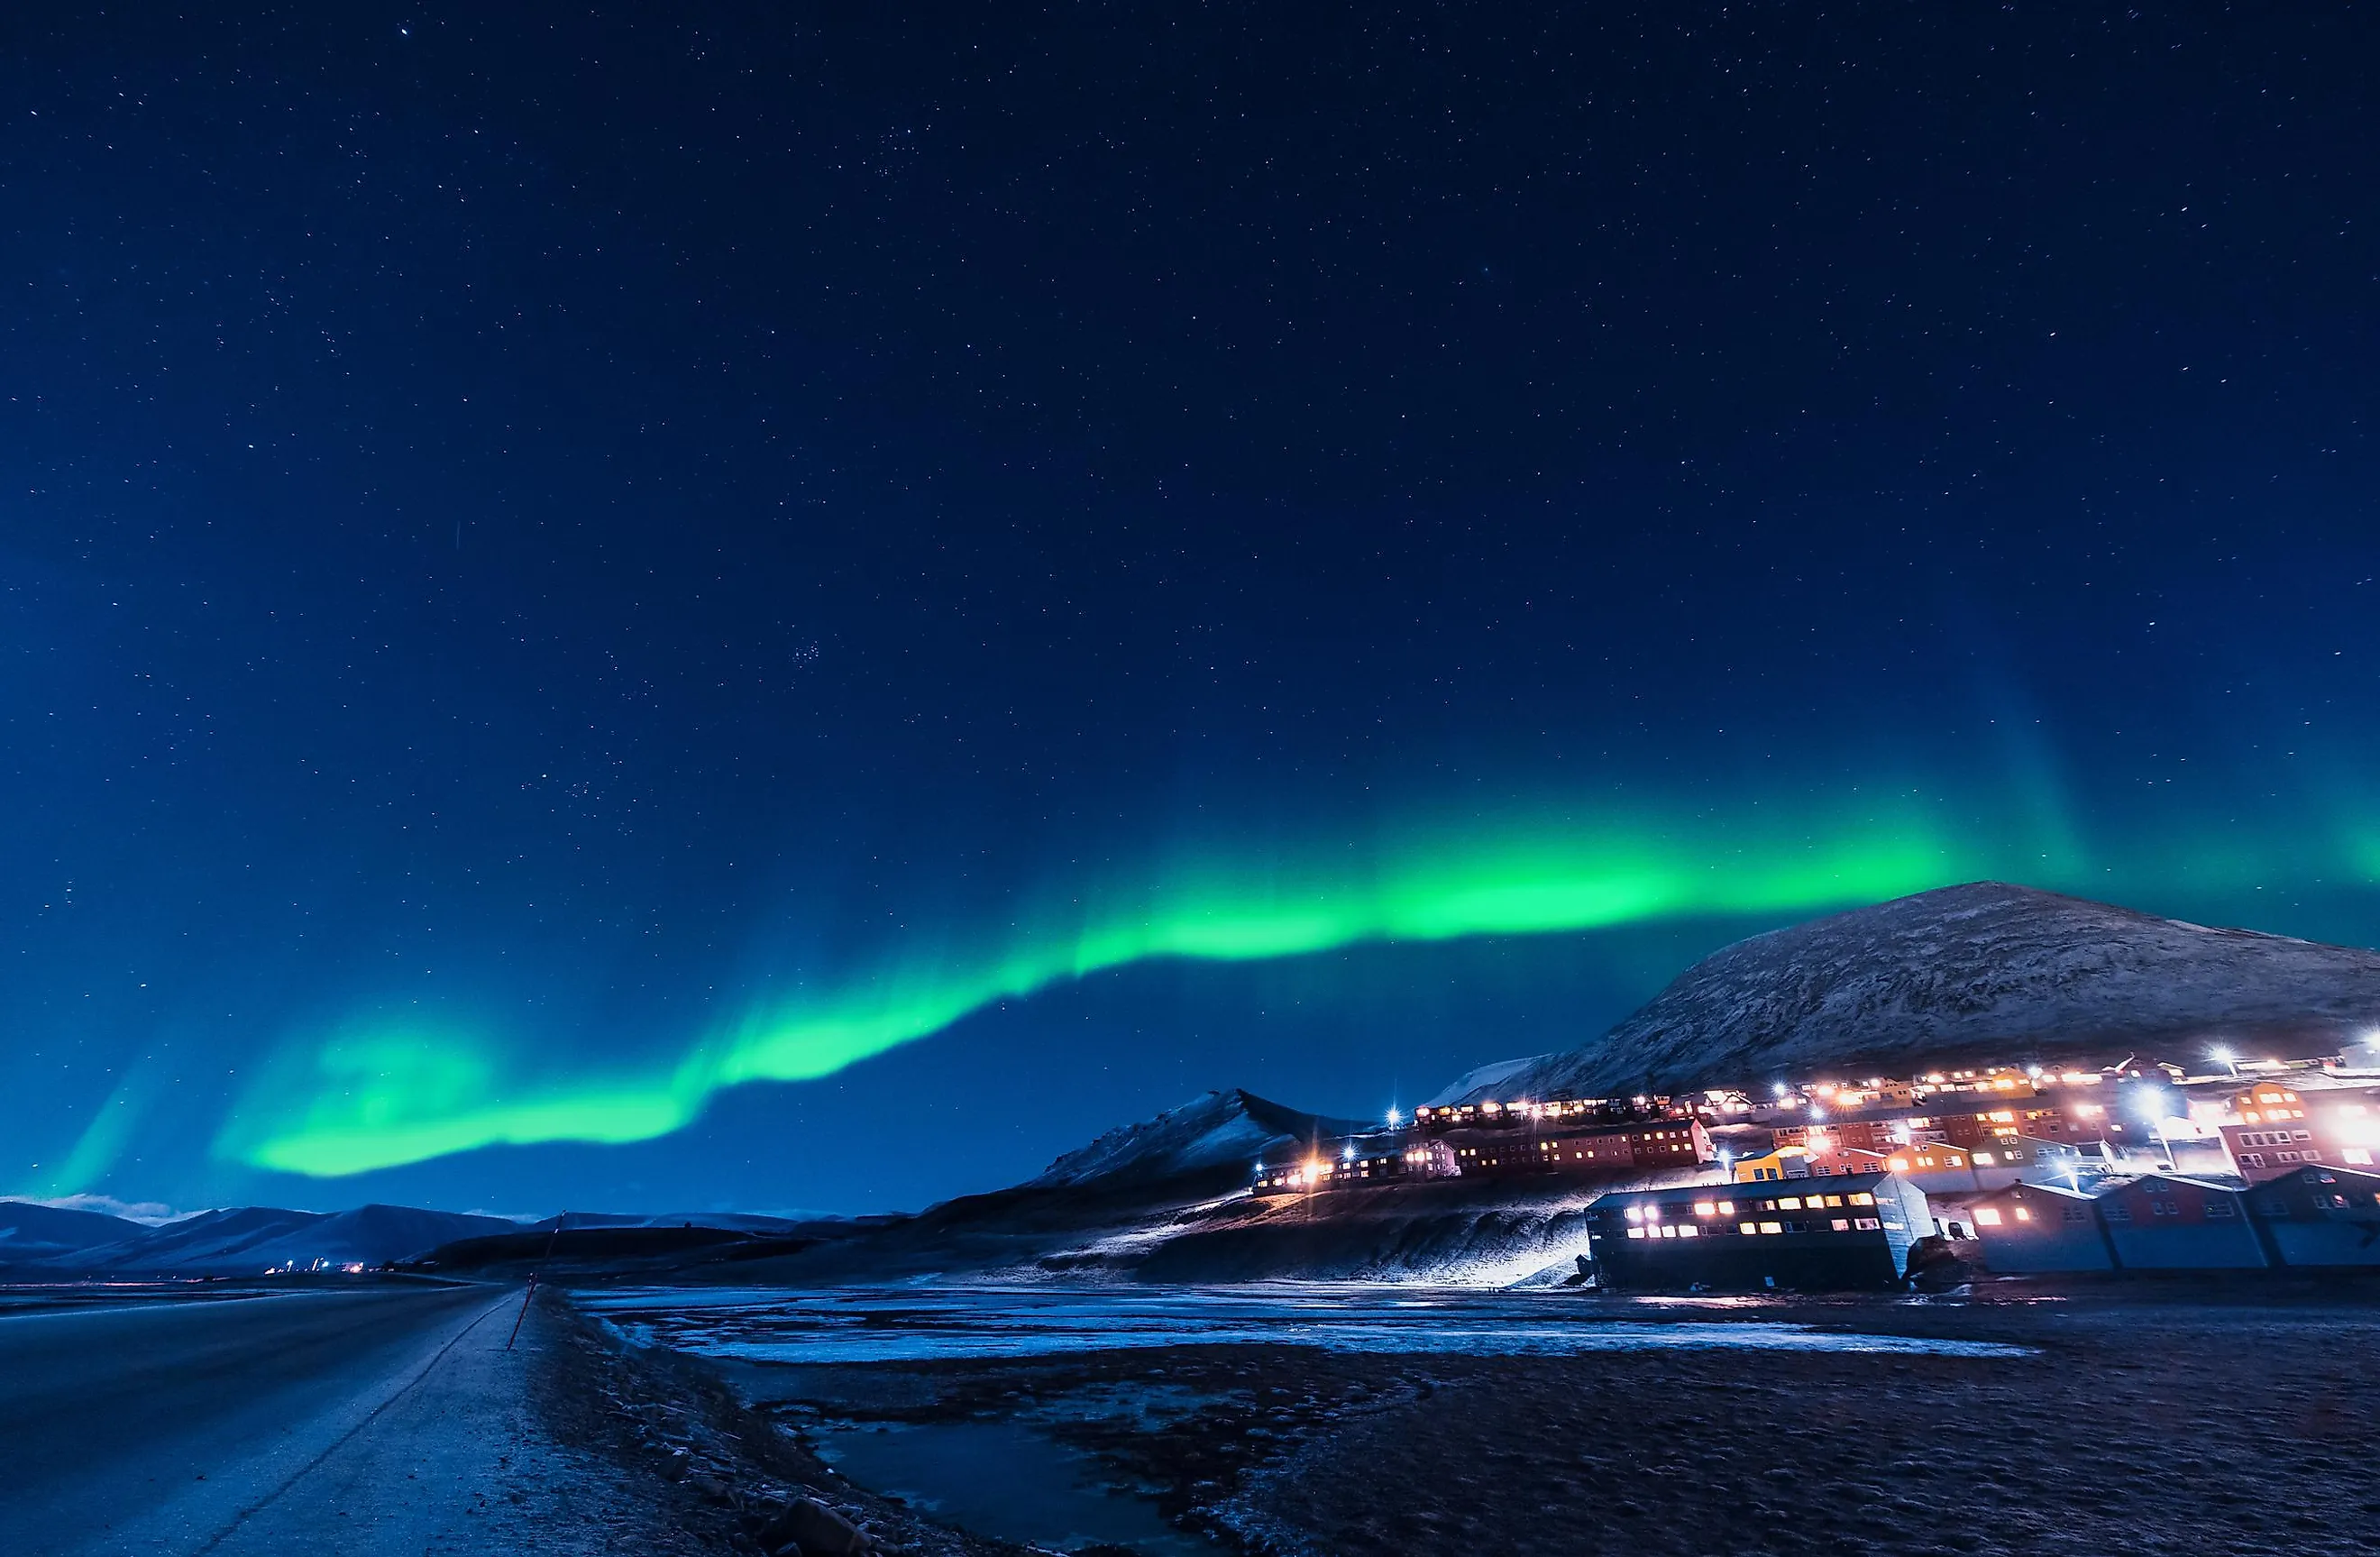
point(1220, 1131)
point(249, 1240)
point(31, 1231)
point(1981, 971)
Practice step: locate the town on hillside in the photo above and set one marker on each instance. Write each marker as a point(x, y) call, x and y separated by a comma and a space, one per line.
point(2121, 1164)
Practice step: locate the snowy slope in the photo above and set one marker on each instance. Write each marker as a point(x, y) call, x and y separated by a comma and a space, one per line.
point(1222, 1130)
point(1983, 970)
point(29, 1232)
point(207, 1242)
point(249, 1240)
point(375, 1234)
point(1490, 1080)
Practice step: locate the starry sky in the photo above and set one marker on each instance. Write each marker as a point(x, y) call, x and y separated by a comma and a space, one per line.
point(803, 607)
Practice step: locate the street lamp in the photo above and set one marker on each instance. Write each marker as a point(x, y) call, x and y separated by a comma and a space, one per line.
point(2226, 1057)
point(2152, 1103)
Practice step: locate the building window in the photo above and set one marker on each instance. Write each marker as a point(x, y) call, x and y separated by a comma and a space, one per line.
point(1986, 1217)
point(2218, 1209)
point(1868, 1224)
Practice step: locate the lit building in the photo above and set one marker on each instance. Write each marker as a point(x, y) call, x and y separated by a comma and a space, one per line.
point(1847, 1234)
point(1352, 1163)
point(1661, 1143)
point(1823, 1160)
point(1945, 1169)
point(2275, 1127)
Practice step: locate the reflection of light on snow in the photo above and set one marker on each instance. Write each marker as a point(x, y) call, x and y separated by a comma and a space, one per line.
point(912, 1325)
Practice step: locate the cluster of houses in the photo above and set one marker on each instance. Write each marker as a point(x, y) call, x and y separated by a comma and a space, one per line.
point(2131, 1166)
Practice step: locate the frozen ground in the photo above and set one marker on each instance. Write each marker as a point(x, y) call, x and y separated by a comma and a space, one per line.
point(904, 1324)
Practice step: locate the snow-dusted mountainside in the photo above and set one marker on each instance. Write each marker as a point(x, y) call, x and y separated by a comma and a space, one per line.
point(249, 1240)
point(1222, 1130)
point(1972, 972)
point(1489, 1080)
point(29, 1232)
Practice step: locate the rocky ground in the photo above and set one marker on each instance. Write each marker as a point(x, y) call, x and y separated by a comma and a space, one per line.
point(2179, 1420)
point(720, 1477)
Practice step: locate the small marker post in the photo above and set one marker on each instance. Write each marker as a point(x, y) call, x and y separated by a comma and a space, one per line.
point(523, 1315)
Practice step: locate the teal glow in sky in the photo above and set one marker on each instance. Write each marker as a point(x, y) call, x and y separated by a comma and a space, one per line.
point(741, 609)
point(392, 1098)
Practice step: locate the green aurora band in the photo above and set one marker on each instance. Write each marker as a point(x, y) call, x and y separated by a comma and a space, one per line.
point(382, 1096)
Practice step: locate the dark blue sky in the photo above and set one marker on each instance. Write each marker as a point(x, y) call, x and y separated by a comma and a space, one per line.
point(555, 567)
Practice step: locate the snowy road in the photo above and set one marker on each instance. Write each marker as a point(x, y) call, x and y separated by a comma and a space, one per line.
point(368, 1422)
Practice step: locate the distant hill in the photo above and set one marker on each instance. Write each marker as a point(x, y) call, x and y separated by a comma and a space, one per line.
point(249, 1240)
point(1965, 973)
point(1221, 1133)
point(734, 1222)
point(32, 1233)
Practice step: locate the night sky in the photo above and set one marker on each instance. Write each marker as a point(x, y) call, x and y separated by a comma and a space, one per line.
point(793, 607)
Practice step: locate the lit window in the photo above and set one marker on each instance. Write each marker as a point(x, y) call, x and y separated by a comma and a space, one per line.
point(1772, 1227)
point(2023, 1215)
point(1841, 1225)
point(1747, 1228)
point(1862, 1199)
point(1687, 1230)
point(1788, 1205)
point(1636, 1214)
point(1984, 1159)
point(1868, 1224)
point(1986, 1217)
point(1706, 1208)
point(1726, 1207)
point(1834, 1200)
point(1635, 1231)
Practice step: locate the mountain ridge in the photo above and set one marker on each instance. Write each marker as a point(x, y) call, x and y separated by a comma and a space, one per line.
point(1983, 970)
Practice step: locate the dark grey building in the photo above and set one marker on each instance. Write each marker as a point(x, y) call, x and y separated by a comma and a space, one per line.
point(2321, 1217)
point(1814, 1235)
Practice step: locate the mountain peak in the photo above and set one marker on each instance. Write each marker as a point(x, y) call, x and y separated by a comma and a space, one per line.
point(1983, 970)
point(1222, 1131)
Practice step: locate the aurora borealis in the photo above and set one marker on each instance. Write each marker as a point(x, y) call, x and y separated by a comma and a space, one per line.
point(807, 611)
point(380, 1105)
